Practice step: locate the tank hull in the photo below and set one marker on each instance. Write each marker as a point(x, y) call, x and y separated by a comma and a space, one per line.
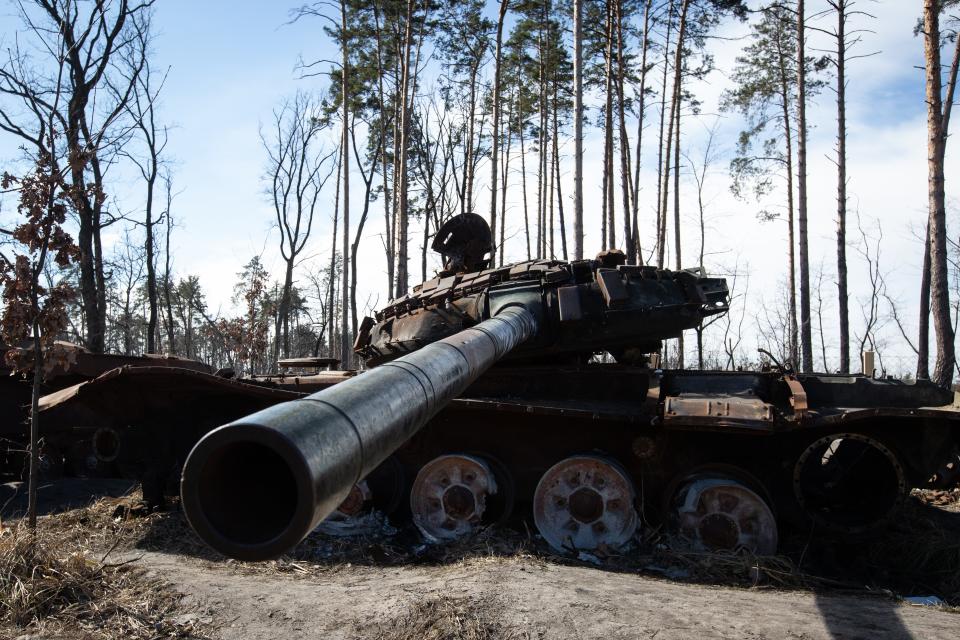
point(660, 427)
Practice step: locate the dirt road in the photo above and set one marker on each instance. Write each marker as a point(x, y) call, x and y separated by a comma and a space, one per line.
point(522, 598)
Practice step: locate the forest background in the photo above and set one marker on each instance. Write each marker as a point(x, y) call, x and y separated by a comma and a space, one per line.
point(228, 90)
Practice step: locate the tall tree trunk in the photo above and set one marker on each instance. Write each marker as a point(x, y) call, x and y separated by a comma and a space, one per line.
point(661, 170)
point(523, 171)
point(923, 333)
point(678, 260)
point(791, 262)
point(611, 241)
point(101, 281)
point(93, 320)
point(577, 130)
point(346, 343)
point(402, 212)
point(806, 338)
point(550, 228)
point(842, 188)
point(355, 247)
point(423, 248)
point(628, 238)
point(495, 144)
point(542, 137)
point(151, 263)
point(387, 199)
point(638, 258)
point(33, 473)
point(556, 168)
point(331, 310)
point(674, 125)
point(936, 148)
point(466, 203)
point(167, 275)
point(283, 317)
point(923, 346)
point(678, 256)
point(98, 272)
point(151, 288)
point(506, 182)
point(93, 339)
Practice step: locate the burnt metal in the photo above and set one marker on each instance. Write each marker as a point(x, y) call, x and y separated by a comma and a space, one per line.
point(448, 498)
point(715, 511)
point(849, 482)
point(67, 442)
point(798, 396)
point(585, 503)
point(463, 241)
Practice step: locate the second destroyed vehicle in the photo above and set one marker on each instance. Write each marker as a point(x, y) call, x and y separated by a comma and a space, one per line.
point(485, 400)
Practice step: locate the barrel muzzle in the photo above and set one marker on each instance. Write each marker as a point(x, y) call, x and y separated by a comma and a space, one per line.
point(253, 489)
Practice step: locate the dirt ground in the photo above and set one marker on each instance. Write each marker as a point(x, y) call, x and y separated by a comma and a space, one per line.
point(394, 588)
point(506, 598)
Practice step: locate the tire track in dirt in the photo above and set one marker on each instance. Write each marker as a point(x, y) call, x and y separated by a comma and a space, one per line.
point(518, 598)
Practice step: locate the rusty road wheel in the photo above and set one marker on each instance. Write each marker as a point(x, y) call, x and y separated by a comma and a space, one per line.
point(713, 511)
point(348, 520)
point(585, 502)
point(449, 496)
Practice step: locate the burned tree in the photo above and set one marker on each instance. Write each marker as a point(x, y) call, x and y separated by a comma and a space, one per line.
point(141, 107)
point(297, 171)
point(34, 312)
point(74, 51)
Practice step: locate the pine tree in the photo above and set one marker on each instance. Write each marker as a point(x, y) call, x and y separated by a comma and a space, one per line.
point(765, 93)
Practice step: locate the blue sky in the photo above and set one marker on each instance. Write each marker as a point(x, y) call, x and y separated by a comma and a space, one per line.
point(232, 62)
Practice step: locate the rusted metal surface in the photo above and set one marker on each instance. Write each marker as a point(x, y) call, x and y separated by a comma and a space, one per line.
point(67, 361)
point(719, 411)
point(65, 443)
point(588, 307)
point(716, 512)
point(356, 500)
point(798, 397)
point(448, 498)
point(352, 517)
point(582, 395)
point(585, 503)
point(150, 387)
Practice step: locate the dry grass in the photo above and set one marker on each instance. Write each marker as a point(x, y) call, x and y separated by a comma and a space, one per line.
point(919, 555)
point(737, 569)
point(59, 581)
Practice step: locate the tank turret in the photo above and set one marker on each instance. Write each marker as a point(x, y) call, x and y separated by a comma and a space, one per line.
point(424, 350)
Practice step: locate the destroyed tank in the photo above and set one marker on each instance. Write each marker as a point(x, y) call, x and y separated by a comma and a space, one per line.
point(529, 391)
point(70, 447)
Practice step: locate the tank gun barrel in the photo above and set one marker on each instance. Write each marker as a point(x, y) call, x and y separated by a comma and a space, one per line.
point(254, 488)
